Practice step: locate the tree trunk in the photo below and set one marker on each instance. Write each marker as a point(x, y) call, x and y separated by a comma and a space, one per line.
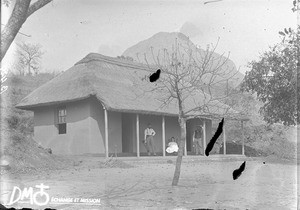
point(180, 151)
point(29, 72)
point(22, 10)
point(15, 22)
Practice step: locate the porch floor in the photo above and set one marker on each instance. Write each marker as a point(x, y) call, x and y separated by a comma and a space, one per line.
point(144, 156)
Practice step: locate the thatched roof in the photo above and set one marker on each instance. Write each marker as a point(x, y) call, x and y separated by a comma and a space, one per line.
point(118, 84)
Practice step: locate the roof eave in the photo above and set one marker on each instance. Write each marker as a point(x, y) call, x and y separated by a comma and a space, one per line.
point(52, 103)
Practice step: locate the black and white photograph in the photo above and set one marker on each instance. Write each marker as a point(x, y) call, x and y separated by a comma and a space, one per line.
point(150, 104)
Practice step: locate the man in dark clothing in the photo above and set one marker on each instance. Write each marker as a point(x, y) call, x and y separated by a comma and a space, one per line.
point(197, 140)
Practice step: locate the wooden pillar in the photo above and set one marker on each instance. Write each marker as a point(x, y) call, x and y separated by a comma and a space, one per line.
point(137, 135)
point(243, 138)
point(164, 136)
point(204, 136)
point(106, 132)
point(185, 149)
point(224, 138)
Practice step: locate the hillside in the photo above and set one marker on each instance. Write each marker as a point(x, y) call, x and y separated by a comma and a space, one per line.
point(20, 86)
point(18, 147)
point(165, 40)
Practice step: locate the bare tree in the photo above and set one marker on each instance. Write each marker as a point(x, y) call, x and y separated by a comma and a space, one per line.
point(19, 68)
point(188, 79)
point(29, 57)
point(22, 10)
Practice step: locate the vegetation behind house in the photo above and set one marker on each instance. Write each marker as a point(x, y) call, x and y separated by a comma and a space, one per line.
point(272, 139)
point(18, 147)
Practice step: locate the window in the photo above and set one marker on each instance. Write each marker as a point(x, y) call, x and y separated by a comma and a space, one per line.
point(62, 123)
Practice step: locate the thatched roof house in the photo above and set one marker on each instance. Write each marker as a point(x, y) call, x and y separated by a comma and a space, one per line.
point(103, 104)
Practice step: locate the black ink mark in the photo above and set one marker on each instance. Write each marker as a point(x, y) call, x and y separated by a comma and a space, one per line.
point(211, 143)
point(211, 1)
point(264, 162)
point(155, 76)
point(236, 173)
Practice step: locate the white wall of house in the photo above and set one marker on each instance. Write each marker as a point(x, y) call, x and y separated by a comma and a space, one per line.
point(81, 136)
point(86, 129)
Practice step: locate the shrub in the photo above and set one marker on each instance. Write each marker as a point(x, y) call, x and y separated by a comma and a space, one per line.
point(234, 148)
point(270, 140)
point(22, 123)
point(16, 138)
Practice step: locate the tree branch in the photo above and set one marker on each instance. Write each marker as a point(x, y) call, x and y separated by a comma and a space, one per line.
point(36, 6)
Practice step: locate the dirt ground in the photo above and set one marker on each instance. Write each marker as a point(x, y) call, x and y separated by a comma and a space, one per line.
point(204, 183)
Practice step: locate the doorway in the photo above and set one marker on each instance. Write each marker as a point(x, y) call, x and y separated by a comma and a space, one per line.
point(128, 133)
point(190, 129)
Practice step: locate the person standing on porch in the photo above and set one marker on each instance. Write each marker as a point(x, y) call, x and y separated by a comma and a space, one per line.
point(197, 140)
point(149, 142)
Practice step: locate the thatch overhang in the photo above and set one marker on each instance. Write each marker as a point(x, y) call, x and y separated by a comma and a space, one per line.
point(118, 84)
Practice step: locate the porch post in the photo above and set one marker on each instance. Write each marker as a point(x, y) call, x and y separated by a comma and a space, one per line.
point(163, 136)
point(137, 135)
point(185, 149)
point(224, 138)
point(204, 136)
point(106, 132)
point(243, 139)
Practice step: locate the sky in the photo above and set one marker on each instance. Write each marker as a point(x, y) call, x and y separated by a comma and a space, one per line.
point(70, 29)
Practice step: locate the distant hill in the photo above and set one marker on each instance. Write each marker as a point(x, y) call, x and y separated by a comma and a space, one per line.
point(166, 40)
point(19, 87)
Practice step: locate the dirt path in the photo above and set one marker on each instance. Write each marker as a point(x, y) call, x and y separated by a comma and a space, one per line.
point(203, 184)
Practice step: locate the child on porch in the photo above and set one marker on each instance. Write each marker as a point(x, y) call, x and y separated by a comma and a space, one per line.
point(172, 146)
